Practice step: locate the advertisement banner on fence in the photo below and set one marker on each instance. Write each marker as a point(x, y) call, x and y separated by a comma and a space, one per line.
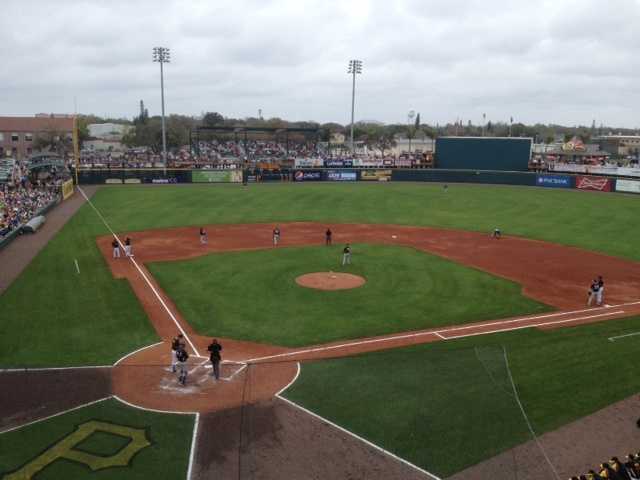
point(631, 186)
point(376, 175)
point(342, 175)
point(67, 189)
point(216, 176)
point(338, 163)
point(132, 180)
point(113, 180)
point(307, 176)
point(599, 184)
point(164, 180)
point(553, 181)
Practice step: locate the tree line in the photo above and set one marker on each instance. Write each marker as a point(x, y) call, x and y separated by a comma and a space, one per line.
point(146, 131)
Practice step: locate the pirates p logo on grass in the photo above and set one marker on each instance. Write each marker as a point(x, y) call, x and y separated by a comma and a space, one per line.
point(65, 448)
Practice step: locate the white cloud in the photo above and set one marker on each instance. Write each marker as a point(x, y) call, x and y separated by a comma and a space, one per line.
point(564, 61)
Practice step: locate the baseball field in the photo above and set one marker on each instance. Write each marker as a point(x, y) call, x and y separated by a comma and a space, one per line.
point(460, 356)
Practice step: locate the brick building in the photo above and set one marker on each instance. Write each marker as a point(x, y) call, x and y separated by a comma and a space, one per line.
point(18, 134)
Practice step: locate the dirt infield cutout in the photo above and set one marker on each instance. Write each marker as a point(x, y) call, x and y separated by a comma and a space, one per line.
point(330, 281)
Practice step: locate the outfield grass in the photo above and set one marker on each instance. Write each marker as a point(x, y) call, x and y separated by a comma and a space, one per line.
point(51, 315)
point(586, 219)
point(253, 295)
point(166, 458)
point(448, 406)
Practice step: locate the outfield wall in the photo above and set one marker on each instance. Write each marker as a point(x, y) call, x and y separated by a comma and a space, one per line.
point(531, 179)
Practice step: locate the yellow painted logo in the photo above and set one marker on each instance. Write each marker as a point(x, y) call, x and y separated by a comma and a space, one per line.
point(65, 449)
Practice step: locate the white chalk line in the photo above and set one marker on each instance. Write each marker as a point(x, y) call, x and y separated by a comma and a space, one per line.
point(526, 418)
point(175, 320)
point(133, 405)
point(613, 339)
point(439, 332)
point(75, 260)
point(136, 351)
point(194, 444)
point(56, 414)
point(50, 369)
point(534, 325)
point(283, 389)
point(358, 437)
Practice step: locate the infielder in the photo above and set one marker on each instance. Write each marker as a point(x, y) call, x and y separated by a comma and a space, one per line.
point(600, 292)
point(327, 237)
point(497, 233)
point(276, 236)
point(176, 344)
point(182, 356)
point(346, 255)
point(203, 236)
point(214, 355)
point(593, 292)
point(116, 248)
point(127, 247)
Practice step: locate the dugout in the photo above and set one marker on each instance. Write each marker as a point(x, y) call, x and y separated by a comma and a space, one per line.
point(483, 153)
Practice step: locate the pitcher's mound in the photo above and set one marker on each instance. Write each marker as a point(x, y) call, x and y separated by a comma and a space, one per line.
point(330, 281)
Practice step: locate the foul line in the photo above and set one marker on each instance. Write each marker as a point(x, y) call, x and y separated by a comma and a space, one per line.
point(358, 437)
point(613, 339)
point(175, 320)
point(438, 333)
point(56, 414)
point(533, 325)
point(526, 418)
point(194, 444)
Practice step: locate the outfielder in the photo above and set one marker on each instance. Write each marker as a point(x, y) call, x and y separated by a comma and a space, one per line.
point(116, 248)
point(203, 236)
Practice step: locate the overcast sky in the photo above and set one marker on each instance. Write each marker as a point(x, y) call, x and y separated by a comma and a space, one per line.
point(562, 61)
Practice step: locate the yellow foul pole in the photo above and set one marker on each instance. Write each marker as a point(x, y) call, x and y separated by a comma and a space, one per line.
point(76, 146)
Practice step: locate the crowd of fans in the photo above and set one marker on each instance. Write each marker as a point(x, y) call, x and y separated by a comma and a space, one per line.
point(614, 469)
point(20, 204)
point(230, 154)
point(21, 199)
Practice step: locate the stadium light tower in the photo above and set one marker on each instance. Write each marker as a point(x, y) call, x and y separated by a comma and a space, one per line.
point(162, 55)
point(355, 68)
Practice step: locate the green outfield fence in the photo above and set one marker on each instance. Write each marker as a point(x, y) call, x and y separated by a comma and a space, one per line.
point(120, 176)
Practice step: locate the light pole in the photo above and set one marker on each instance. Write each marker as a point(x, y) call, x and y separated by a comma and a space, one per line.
point(162, 55)
point(484, 121)
point(355, 68)
point(510, 125)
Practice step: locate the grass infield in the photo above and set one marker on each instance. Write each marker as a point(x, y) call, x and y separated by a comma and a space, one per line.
point(166, 457)
point(253, 295)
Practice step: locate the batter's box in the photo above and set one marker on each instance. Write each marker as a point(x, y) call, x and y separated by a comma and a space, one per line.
point(228, 369)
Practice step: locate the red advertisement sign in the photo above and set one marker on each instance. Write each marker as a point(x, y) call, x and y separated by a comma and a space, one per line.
point(600, 184)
